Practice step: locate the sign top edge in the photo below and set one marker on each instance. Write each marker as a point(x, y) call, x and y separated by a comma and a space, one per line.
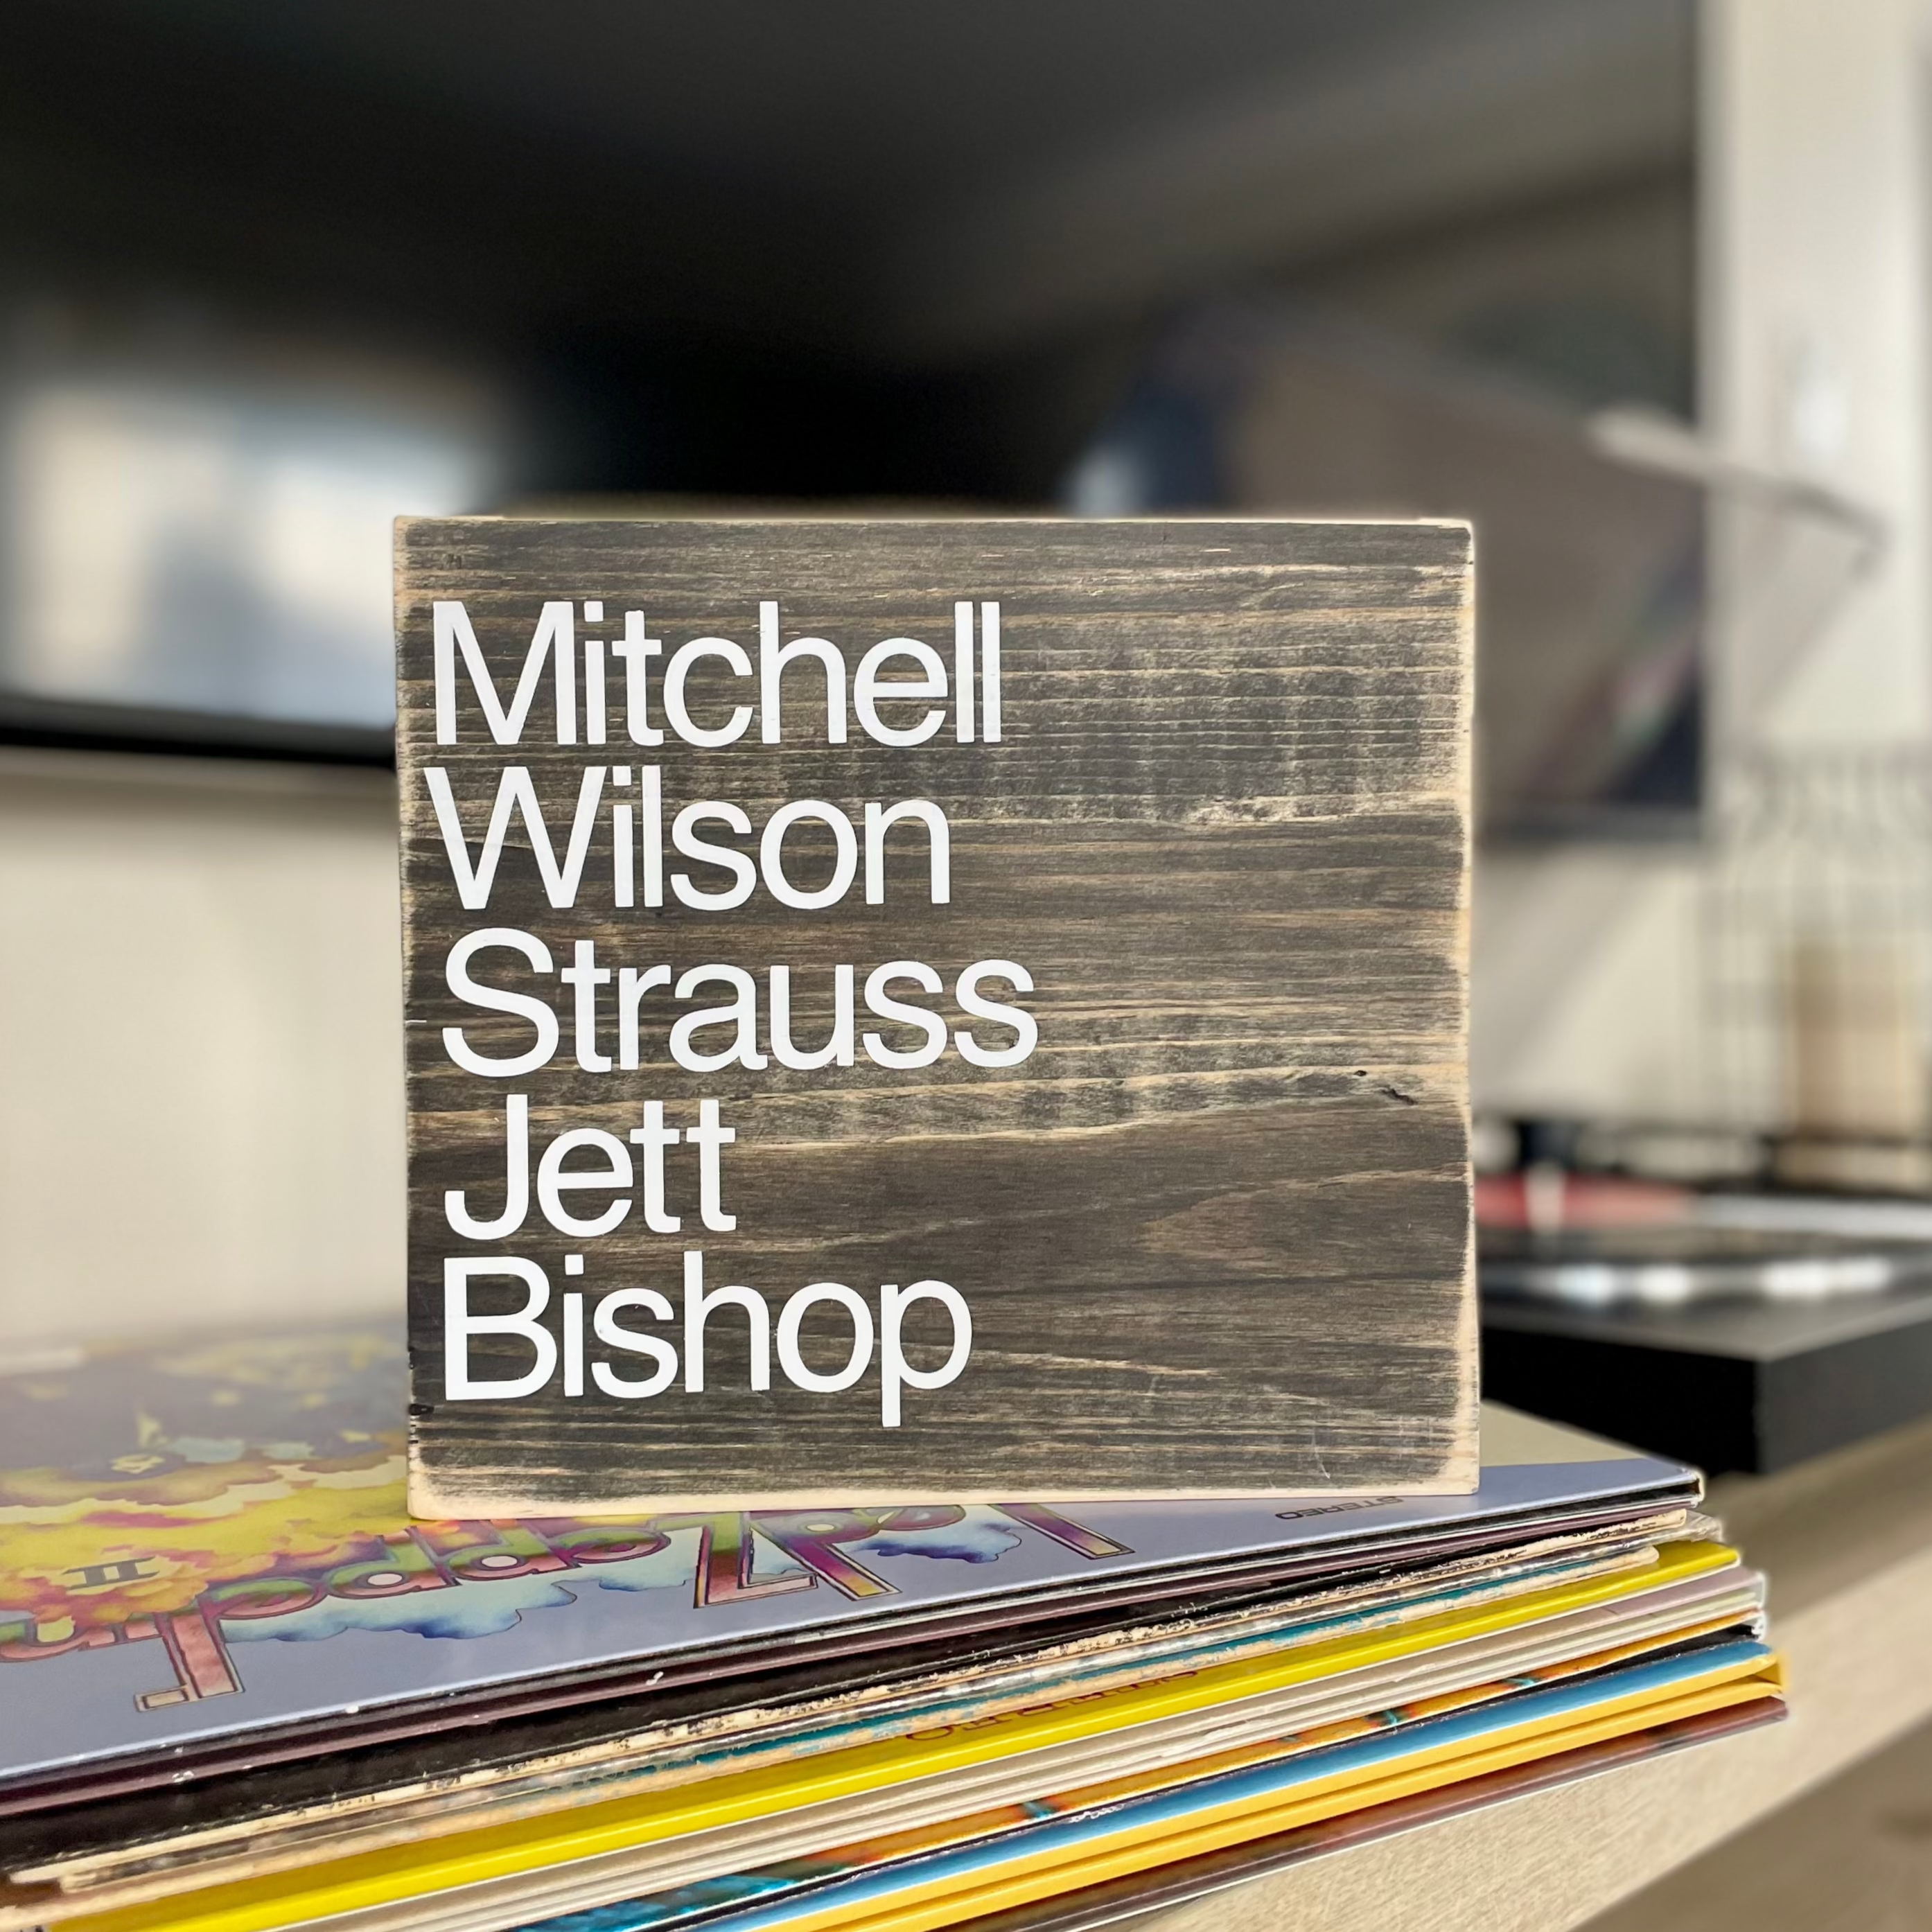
point(808, 520)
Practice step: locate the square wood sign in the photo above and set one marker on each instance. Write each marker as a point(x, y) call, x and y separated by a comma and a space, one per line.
point(913, 1010)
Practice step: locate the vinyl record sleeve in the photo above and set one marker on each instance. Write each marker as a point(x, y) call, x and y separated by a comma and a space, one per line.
point(1181, 1881)
point(492, 1720)
point(1091, 1847)
point(792, 1852)
point(1224, 1808)
point(208, 1537)
point(792, 1880)
point(443, 1781)
point(1230, 1694)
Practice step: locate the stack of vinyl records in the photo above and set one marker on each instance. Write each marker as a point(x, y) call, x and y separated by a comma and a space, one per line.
point(240, 1690)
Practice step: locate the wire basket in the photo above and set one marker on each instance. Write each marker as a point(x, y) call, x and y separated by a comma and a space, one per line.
point(1817, 943)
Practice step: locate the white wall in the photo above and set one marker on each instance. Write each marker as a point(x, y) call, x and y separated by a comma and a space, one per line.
point(1814, 295)
point(1813, 247)
point(200, 1044)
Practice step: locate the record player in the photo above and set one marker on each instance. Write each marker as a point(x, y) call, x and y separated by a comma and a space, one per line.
point(1741, 1331)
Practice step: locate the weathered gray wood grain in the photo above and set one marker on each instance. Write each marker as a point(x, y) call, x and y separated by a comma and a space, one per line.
point(1215, 1230)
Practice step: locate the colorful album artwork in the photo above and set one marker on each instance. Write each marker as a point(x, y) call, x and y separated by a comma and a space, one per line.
point(201, 1537)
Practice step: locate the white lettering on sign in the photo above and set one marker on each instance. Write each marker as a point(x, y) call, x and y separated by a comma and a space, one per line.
point(708, 856)
point(523, 1328)
point(918, 676)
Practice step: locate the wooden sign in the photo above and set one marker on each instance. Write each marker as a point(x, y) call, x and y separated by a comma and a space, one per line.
point(955, 1010)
